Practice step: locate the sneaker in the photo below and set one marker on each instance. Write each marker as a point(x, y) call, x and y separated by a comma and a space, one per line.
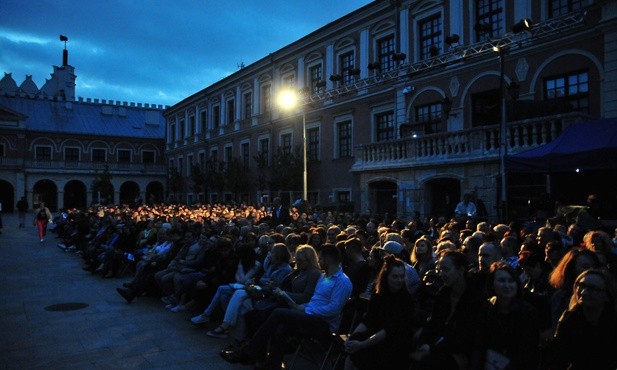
point(42, 240)
point(200, 319)
point(178, 308)
point(170, 306)
point(62, 246)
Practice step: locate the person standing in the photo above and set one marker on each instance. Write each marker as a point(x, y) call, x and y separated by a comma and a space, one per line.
point(41, 218)
point(22, 208)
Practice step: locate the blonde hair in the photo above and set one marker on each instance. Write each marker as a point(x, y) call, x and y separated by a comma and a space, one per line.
point(310, 254)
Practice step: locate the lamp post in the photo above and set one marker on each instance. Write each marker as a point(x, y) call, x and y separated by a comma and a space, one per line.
point(288, 100)
point(503, 131)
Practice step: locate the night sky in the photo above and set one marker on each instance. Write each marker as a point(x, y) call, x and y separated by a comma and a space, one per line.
point(152, 51)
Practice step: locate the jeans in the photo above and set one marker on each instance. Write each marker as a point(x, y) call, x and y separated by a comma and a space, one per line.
point(283, 323)
point(239, 304)
point(222, 295)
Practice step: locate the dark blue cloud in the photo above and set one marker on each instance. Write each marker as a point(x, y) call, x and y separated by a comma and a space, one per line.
point(155, 51)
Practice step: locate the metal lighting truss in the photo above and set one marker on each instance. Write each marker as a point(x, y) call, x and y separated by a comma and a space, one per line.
point(509, 40)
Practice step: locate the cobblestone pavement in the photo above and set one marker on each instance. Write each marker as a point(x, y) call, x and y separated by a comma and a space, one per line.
point(107, 334)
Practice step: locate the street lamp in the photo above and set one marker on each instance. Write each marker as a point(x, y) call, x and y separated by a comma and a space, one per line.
point(290, 100)
point(503, 131)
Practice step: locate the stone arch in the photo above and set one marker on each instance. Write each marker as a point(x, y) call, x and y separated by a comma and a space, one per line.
point(72, 142)
point(382, 26)
point(7, 196)
point(442, 193)
point(344, 42)
point(312, 56)
point(155, 192)
point(128, 191)
point(124, 145)
point(43, 141)
point(75, 194)
point(418, 94)
point(382, 195)
point(560, 54)
point(47, 191)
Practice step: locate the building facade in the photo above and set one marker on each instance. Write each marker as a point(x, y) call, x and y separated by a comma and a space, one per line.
point(73, 152)
point(402, 102)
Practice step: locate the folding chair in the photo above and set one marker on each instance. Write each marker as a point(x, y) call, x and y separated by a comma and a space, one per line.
point(311, 349)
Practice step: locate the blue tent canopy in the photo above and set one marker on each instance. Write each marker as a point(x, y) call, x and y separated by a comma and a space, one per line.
point(589, 145)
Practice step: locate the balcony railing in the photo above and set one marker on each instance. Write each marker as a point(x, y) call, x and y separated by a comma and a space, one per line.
point(10, 162)
point(478, 143)
point(96, 166)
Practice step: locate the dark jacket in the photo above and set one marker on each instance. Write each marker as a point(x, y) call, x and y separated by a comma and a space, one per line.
point(580, 345)
point(513, 335)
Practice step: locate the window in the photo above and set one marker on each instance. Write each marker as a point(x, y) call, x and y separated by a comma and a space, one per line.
point(231, 111)
point(246, 155)
point(561, 7)
point(430, 36)
point(289, 81)
point(485, 108)
point(489, 19)
point(264, 150)
point(2, 150)
point(312, 137)
point(203, 121)
point(316, 78)
point(189, 160)
point(182, 130)
point(180, 165)
point(265, 98)
point(570, 90)
point(99, 155)
point(171, 163)
point(429, 117)
point(346, 63)
point(228, 156)
point(147, 156)
point(344, 139)
point(384, 123)
point(202, 159)
point(172, 133)
point(286, 143)
point(124, 156)
point(42, 153)
point(71, 154)
point(248, 105)
point(385, 53)
point(191, 126)
point(216, 117)
point(214, 156)
point(343, 196)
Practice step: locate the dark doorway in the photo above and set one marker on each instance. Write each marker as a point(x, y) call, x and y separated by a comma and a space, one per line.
point(75, 194)
point(444, 194)
point(128, 191)
point(154, 192)
point(7, 196)
point(45, 191)
point(383, 197)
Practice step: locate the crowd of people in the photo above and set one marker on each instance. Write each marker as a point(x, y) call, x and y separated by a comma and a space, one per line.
point(413, 294)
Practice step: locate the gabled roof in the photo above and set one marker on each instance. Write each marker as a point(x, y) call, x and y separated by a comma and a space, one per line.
point(7, 114)
point(44, 115)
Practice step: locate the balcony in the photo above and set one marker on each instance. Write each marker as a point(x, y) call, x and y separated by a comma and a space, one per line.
point(476, 144)
point(9, 162)
point(75, 166)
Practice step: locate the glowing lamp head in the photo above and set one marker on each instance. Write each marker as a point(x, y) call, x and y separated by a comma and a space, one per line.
point(288, 99)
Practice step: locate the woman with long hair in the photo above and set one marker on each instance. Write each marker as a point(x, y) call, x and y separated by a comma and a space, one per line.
point(382, 338)
point(422, 256)
point(587, 331)
point(507, 336)
point(562, 278)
